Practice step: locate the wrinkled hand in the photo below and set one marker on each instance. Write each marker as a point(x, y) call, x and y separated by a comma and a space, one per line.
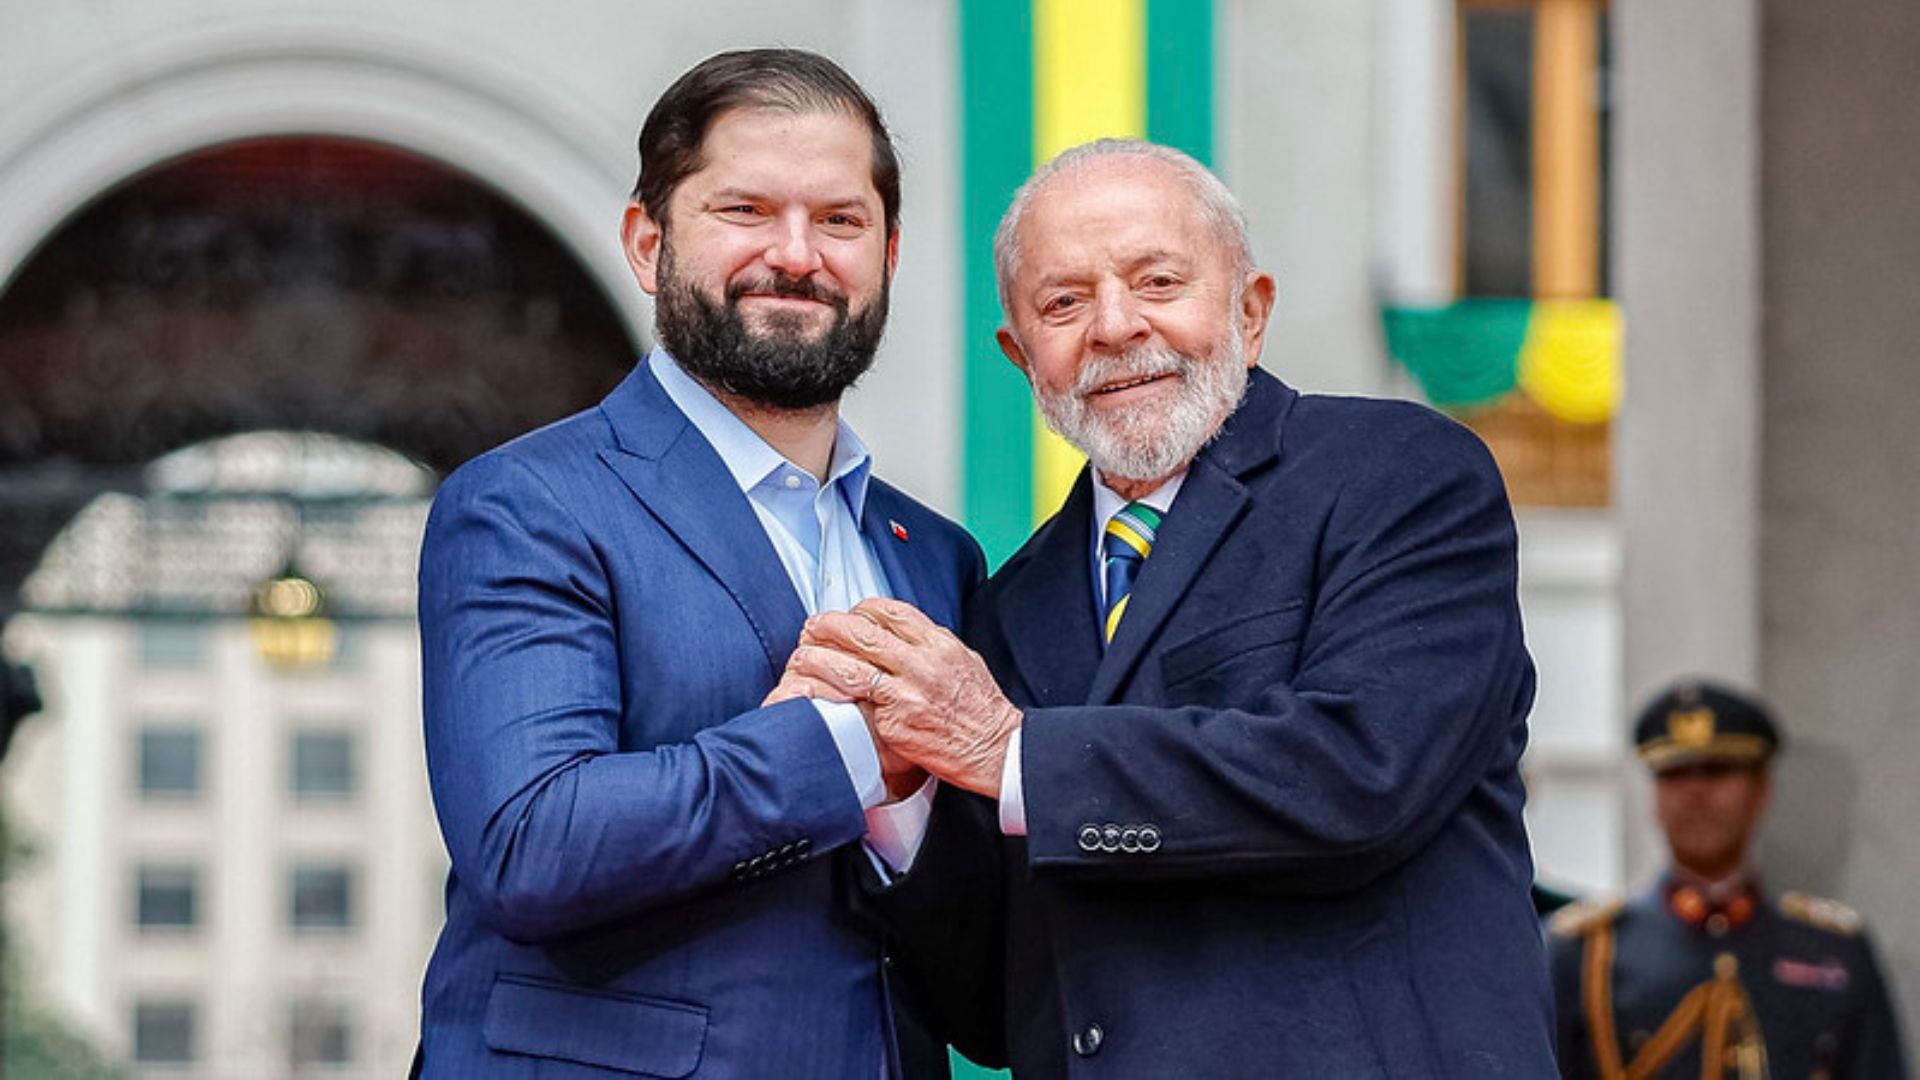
point(927, 696)
point(901, 776)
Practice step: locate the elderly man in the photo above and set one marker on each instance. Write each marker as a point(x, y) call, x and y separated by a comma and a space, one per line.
point(648, 871)
point(1242, 750)
point(1706, 974)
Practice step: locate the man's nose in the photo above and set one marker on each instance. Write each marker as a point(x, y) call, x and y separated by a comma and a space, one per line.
point(1118, 322)
point(792, 250)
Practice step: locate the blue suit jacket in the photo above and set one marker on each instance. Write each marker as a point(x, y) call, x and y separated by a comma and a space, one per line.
point(644, 877)
point(1274, 829)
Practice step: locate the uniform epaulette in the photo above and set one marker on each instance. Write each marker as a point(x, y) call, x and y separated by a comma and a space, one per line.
point(1581, 916)
point(1829, 915)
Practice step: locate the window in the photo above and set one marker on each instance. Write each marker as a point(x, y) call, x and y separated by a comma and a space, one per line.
point(1529, 355)
point(163, 1032)
point(1496, 249)
point(322, 896)
point(1534, 118)
point(172, 643)
point(321, 1033)
point(322, 763)
point(167, 897)
point(169, 761)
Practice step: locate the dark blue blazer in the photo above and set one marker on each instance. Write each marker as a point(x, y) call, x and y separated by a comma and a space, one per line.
point(1274, 829)
point(648, 876)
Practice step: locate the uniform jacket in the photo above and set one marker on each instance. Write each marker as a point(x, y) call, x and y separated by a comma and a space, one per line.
point(1805, 965)
point(1274, 827)
point(646, 866)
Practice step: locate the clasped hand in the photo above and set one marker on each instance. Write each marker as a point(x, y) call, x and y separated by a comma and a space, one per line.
point(928, 699)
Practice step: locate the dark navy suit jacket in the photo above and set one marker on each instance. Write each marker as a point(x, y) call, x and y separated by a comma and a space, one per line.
point(648, 876)
point(1274, 830)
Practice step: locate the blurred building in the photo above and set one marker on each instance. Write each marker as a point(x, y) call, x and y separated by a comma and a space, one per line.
point(233, 868)
point(1653, 252)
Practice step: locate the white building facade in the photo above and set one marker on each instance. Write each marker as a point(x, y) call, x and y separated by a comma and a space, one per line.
point(234, 867)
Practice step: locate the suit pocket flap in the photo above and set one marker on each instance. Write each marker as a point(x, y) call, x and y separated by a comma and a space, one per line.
point(1196, 654)
point(640, 1035)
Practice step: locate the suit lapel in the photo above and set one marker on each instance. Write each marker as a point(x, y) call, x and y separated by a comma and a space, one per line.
point(909, 577)
point(1047, 616)
point(1211, 502)
point(676, 474)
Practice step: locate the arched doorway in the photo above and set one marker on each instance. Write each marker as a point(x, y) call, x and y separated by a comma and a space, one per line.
point(293, 283)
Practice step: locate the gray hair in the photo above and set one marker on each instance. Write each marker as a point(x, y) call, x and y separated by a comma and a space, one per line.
point(1216, 204)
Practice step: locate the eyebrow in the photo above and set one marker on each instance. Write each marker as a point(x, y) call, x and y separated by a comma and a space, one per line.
point(1131, 266)
point(727, 195)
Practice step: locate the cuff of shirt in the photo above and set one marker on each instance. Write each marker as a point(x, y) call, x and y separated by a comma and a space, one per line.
point(895, 830)
point(1013, 801)
point(855, 743)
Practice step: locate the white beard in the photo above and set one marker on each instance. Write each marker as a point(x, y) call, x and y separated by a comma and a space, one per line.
point(1147, 443)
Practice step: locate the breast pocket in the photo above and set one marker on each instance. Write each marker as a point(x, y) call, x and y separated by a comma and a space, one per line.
point(1233, 664)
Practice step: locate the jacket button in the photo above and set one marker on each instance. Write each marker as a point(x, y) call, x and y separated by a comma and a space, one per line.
point(1089, 838)
point(1149, 838)
point(1087, 1042)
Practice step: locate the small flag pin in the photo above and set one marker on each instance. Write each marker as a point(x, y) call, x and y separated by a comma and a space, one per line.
point(899, 530)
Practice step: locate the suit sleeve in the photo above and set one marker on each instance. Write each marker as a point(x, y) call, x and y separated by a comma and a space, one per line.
point(1412, 682)
point(551, 824)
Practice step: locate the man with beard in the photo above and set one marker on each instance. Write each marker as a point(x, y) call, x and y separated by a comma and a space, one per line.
point(648, 852)
point(1232, 782)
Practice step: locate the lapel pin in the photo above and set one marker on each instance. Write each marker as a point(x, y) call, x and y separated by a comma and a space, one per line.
point(899, 530)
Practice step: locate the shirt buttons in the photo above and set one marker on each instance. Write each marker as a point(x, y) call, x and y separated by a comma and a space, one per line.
point(792, 480)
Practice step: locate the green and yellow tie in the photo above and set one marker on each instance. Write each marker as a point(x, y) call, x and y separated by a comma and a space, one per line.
point(1129, 537)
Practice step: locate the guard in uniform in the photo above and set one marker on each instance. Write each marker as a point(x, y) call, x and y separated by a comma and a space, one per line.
point(1707, 975)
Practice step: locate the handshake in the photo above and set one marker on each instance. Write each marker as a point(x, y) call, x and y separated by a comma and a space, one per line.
point(928, 699)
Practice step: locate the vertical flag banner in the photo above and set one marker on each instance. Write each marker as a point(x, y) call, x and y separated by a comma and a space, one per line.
point(1041, 76)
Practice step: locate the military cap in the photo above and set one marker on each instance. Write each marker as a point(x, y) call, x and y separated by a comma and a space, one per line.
point(1694, 720)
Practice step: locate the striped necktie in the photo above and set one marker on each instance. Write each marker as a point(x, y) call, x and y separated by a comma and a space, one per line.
point(1128, 539)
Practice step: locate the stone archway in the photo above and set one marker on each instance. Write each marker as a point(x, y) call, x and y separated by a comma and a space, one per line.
point(297, 282)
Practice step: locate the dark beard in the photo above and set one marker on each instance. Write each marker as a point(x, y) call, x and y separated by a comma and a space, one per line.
point(779, 370)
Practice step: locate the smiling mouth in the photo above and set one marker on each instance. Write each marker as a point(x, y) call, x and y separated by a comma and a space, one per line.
point(1129, 384)
point(785, 298)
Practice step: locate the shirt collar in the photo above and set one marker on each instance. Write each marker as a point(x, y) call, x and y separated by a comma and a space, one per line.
point(1106, 503)
point(746, 455)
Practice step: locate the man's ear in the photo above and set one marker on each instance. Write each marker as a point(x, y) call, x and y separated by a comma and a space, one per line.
point(1010, 345)
point(1256, 304)
point(893, 252)
point(640, 238)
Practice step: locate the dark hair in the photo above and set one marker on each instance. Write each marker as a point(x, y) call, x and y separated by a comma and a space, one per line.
point(791, 79)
